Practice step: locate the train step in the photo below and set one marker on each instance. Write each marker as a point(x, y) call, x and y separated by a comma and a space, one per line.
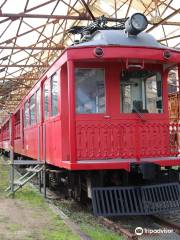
point(24, 179)
point(135, 200)
point(33, 170)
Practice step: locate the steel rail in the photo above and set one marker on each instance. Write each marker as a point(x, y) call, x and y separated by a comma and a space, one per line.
point(118, 228)
point(166, 223)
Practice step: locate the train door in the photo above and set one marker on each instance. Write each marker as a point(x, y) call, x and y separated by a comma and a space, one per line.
point(45, 116)
point(38, 120)
point(22, 127)
point(25, 126)
point(51, 121)
point(92, 110)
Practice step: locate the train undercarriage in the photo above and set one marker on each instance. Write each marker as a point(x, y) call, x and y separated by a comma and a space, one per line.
point(146, 189)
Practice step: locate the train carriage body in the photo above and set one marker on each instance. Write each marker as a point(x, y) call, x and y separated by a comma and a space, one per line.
point(100, 112)
point(103, 105)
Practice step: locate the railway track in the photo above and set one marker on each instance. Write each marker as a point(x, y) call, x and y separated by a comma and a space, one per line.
point(145, 227)
point(168, 225)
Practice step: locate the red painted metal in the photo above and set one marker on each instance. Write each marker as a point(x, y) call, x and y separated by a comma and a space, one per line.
point(91, 141)
point(71, 103)
point(118, 139)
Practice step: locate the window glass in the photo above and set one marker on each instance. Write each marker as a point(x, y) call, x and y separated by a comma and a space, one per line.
point(173, 80)
point(90, 90)
point(17, 125)
point(54, 95)
point(46, 110)
point(32, 110)
point(38, 105)
point(141, 91)
point(26, 114)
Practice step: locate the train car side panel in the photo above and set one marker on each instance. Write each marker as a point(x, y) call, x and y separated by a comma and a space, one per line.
point(53, 142)
point(52, 132)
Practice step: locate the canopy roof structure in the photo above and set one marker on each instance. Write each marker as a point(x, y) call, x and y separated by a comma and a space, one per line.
point(34, 32)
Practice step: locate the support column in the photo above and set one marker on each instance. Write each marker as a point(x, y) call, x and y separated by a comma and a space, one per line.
point(39, 176)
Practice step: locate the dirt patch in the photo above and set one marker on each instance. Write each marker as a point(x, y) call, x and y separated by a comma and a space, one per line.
point(27, 216)
point(20, 221)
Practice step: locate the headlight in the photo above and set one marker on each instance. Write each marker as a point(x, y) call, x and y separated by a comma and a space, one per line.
point(136, 24)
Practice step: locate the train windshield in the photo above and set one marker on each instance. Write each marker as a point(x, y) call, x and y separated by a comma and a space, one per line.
point(141, 92)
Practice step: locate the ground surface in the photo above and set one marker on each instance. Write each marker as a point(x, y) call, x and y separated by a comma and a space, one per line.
point(28, 217)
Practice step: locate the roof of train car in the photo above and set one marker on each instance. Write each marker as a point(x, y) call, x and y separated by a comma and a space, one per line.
point(121, 38)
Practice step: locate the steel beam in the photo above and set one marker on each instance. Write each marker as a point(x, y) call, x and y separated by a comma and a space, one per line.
point(29, 10)
point(164, 20)
point(129, 6)
point(88, 10)
point(18, 78)
point(15, 16)
point(172, 23)
point(23, 65)
point(168, 38)
point(33, 48)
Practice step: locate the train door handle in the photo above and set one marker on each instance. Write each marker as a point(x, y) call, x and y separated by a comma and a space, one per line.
point(107, 116)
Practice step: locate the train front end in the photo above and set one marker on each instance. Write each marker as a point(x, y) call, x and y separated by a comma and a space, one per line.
point(124, 137)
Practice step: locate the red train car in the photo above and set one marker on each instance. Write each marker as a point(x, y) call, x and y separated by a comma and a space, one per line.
point(100, 112)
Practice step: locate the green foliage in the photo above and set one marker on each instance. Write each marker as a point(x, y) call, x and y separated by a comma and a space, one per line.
point(59, 234)
point(96, 233)
point(29, 195)
point(88, 223)
point(4, 177)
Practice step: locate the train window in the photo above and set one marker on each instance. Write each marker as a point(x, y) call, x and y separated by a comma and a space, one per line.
point(141, 91)
point(26, 114)
point(54, 95)
point(46, 95)
point(17, 125)
point(32, 110)
point(38, 105)
point(173, 80)
point(90, 90)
